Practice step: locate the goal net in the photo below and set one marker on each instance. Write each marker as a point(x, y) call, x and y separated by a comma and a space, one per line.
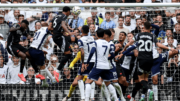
point(126, 17)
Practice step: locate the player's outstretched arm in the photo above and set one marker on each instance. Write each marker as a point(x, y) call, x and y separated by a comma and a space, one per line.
point(163, 46)
point(63, 24)
point(127, 45)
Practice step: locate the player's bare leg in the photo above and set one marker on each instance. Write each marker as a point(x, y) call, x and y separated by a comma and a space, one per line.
point(123, 83)
point(22, 63)
point(144, 82)
point(119, 90)
point(67, 56)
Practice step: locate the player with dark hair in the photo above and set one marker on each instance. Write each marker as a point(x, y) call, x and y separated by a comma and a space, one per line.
point(102, 66)
point(58, 25)
point(144, 43)
point(13, 46)
point(107, 37)
point(85, 45)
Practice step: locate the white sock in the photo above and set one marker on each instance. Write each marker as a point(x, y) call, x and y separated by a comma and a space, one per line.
point(88, 91)
point(49, 74)
point(103, 95)
point(113, 92)
point(57, 71)
point(37, 74)
point(81, 88)
point(119, 90)
point(155, 91)
point(142, 96)
point(105, 92)
point(149, 90)
point(92, 90)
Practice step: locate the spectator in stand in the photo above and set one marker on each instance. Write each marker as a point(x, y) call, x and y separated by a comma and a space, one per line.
point(30, 78)
point(96, 19)
point(75, 50)
point(114, 17)
point(162, 26)
point(51, 69)
point(4, 28)
point(133, 17)
point(128, 23)
point(32, 17)
point(53, 62)
point(14, 18)
point(75, 22)
point(20, 18)
point(137, 29)
point(107, 24)
point(176, 34)
point(168, 35)
point(14, 70)
point(3, 71)
point(92, 30)
point(176, 19)
point(67, 77)
point(120, 28)
point(5, 2)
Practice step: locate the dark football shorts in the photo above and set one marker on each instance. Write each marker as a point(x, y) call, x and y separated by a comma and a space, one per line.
point(14, 49)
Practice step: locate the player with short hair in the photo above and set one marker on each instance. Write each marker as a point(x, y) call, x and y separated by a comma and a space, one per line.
point(101, 68)
point(85, 45)
point(58, 25)
point(14, 48)
point(158, 59)
point(37, 54)
point(114, 79)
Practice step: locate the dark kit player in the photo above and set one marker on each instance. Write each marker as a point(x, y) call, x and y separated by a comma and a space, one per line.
point(13, 46)
point(58, 25)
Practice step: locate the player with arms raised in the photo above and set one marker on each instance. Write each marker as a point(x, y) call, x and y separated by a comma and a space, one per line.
point(58, 25)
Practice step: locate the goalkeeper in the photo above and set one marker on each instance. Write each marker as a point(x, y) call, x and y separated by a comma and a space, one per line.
point(75, 82)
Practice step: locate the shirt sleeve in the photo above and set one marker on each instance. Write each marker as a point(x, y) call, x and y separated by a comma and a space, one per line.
point(112, 49)
point(81, 23)
point(80, 44)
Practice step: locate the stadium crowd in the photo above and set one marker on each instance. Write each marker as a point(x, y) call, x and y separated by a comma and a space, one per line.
point(165, 24)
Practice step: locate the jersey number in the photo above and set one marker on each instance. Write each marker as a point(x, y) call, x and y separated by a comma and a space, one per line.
point(105, 49)
point(54, 23)
point(145, 44)
point(36, 35)
point(88, 45)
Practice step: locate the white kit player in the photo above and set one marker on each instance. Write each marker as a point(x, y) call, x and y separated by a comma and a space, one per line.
point(36, 52)
point(85, 45)
point(114, 77)
point(102, 49)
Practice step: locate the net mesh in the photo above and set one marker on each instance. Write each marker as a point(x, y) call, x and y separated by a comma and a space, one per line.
point(164, 17)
